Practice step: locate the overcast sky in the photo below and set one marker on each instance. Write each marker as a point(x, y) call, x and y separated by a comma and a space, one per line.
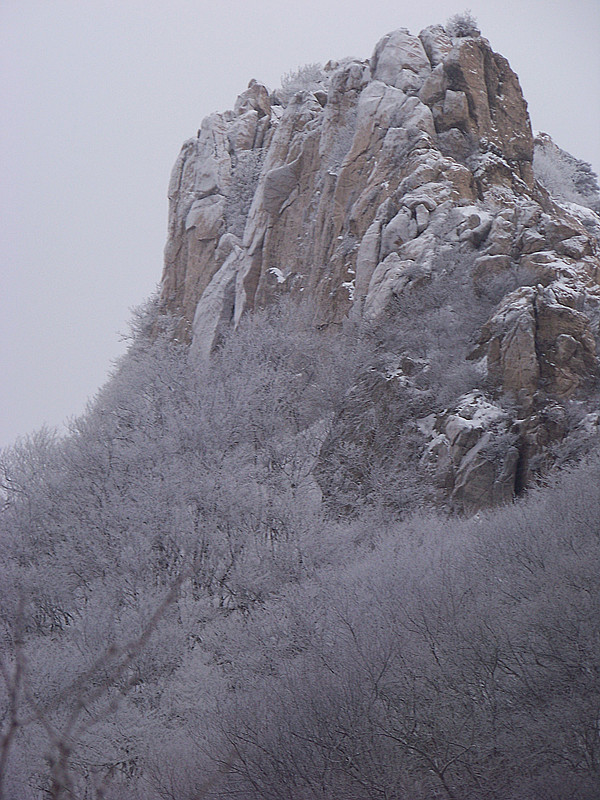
point(97, 98)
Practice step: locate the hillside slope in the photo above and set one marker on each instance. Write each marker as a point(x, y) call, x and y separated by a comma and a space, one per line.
point(237, 576)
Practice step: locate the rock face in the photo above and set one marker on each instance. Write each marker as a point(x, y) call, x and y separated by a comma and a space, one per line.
point(402, 180)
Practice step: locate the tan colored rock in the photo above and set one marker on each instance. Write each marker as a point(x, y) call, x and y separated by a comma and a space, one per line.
point(406, 179)
point(434, 87)
point(215, 310)
point(400, 60)
point(577, 247)
point(421, 217)
point(532, 241)
point(436, 42)
point(368, 257)
point(255, 98)
point(497, 110)
point(509, 341)
point(455, 111)
point(205, 217)
point(475, 226)
point(401, 229)
point(202, 169)
point(485, 477)
point(327, 167)
point(538, 339)
point(489, 267)
point(502, 233)
point(565, 341)
point(557, 230)
point(279, 185)
point(243, 130)
point(389, 279)
point(474, 454)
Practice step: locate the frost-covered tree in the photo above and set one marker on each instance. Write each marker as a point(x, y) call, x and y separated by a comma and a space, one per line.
point(462, 25)
point(452, 660)
point(182, 617)
point(309, 78)
point(566, 178)
point(184, 491)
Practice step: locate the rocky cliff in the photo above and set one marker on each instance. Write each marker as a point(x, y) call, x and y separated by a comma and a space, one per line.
point(401, 190)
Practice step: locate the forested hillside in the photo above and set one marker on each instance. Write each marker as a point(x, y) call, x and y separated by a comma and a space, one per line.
point(182, 616)
point(330, 531)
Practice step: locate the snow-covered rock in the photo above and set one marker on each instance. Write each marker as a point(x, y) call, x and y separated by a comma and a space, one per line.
point(365, 193)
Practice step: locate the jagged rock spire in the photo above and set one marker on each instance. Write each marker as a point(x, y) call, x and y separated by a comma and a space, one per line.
point(360, 190)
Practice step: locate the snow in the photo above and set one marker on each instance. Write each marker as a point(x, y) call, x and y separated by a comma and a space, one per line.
point(350, 286)
point(474, 408)
point(488, 160)
point(276, 114)
point(438, 440)
point(590, 424)
point(467, 211)
point(580, 212)
point(398, 375)
point(560, 293)
point(426, 425)
point(278, 274)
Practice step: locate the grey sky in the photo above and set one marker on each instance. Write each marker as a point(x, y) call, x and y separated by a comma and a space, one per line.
point(97, 97)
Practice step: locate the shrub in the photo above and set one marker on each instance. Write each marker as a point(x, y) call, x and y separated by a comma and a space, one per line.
point(309, 78)
point(462, 25)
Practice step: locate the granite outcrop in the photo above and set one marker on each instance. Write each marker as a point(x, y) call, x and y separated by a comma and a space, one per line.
point(394, 183)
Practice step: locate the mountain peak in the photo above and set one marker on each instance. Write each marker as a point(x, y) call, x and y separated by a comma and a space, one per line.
point(365, 185)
